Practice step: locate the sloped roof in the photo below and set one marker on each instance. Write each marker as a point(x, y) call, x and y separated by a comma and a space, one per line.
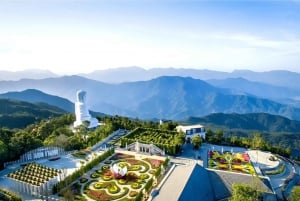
point(187, 182)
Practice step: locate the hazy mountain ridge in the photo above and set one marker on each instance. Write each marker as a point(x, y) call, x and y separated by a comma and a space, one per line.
point(163, 97)
point(129, 74)
point(36, 96)
point(26, 74)
point(243, 86)
point(251, 121)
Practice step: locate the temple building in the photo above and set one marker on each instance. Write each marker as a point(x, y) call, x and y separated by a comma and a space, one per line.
point(81, 111)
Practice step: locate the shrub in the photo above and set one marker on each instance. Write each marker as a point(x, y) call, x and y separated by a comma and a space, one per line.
point(95, 175)
point(83, 180)
point(135, 185)
point(133, 193)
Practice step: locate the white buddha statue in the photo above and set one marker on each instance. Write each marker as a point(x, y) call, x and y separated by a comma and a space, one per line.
point(81, 111)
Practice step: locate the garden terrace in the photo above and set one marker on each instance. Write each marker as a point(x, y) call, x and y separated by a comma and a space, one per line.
point(100, 183)
point(234, 162)
point(165, 140)
point(34, 174)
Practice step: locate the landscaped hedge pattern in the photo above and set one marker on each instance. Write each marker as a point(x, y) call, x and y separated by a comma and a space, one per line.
point(162, 138)
point(238, 162)
point(34, 174)
point(138, 178)
point(78, 173)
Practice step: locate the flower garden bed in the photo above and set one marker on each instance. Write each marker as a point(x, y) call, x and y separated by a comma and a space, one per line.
point(237, 162)
point(34, 174)
point(129, 187)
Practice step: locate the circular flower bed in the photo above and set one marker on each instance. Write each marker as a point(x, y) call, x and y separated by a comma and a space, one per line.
point(133, 193)
point(144, 176)
point(122, 164)
point(152, 171)
point(135, 167)
point(122, 181)
point(98, 185)
point(107, 177)
point(135, 185)
point(83, 180)
point(95, 175)
point(105, 167)
point(113, 189)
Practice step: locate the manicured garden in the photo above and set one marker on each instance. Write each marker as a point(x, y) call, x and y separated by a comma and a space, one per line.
point(170, 141)
point(34, 174)
point(130, 179)
point(235, 162)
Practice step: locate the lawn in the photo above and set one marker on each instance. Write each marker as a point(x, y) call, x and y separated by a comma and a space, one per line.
point(102, 184)
point(234, 162)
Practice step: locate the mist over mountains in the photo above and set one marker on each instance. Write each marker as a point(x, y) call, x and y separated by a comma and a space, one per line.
point(170, 97)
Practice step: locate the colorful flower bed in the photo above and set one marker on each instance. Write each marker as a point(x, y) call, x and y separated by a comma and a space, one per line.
point(34, 174)
point(107, 187)
point(238, 162)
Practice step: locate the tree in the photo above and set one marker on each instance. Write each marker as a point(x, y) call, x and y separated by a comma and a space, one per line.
point(196, 140)
point(22, 142)
point(244, 192)
point(209, 135)
point(234, 140)
point(219, 136)
point(179, 139)
point(295, 194)
point(3, 153)
point(257, 141)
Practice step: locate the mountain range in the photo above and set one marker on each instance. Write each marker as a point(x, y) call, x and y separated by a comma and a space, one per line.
point(130, 74)
point(168, 97)
point(262, 122)
point(28, 74)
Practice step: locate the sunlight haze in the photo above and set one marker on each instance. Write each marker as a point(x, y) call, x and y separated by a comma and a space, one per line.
point(82, 36)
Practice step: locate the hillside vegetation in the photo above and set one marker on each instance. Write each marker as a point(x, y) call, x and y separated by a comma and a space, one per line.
point(276, 130)
point(19, 114)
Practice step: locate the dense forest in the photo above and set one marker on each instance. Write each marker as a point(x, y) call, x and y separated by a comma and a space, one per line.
point(19, 114)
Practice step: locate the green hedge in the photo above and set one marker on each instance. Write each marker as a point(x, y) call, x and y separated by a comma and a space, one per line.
point(6, 195)
point(162, 138)
point(81, 171)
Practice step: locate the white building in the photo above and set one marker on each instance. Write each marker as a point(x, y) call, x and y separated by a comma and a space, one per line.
point(192, 130)
point(81, 111)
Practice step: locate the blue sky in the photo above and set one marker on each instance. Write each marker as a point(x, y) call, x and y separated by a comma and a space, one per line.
point(72, 36)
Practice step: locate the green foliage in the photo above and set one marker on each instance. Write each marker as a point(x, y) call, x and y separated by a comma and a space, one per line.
point(6, 195)
point(166, 140)
point(244, 192)
point(196, 140)
point(19, 114)
point(295, 194)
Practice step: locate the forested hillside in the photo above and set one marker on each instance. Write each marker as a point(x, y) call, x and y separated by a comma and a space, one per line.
point(19, 114)
point(278, 131)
